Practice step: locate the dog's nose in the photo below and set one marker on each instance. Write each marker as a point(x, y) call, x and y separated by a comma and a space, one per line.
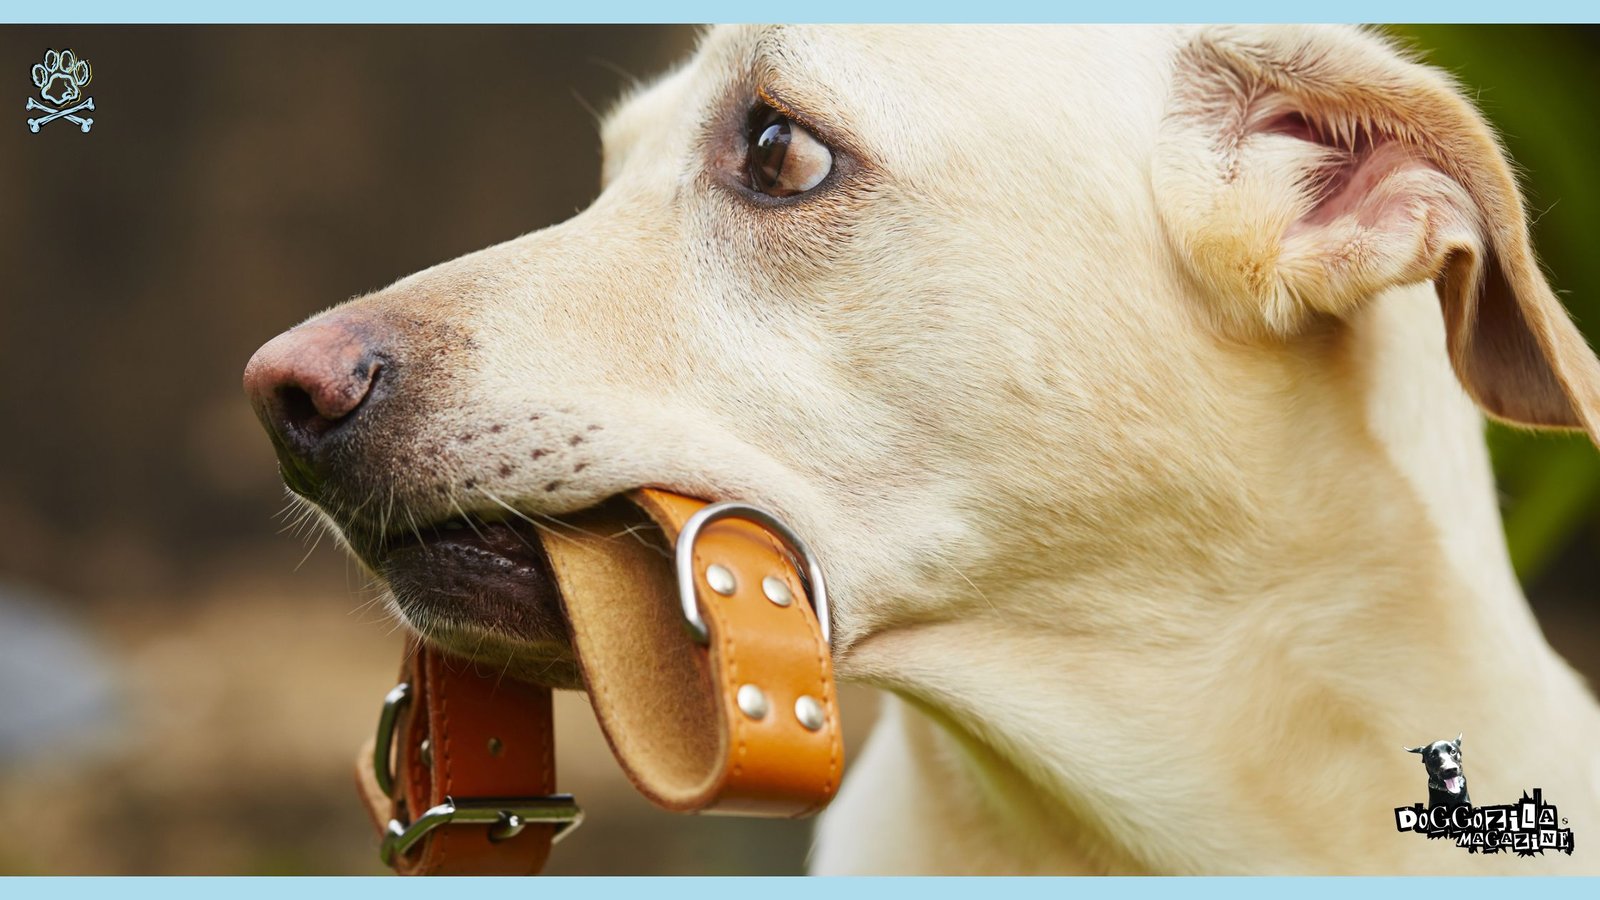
point(311, 381)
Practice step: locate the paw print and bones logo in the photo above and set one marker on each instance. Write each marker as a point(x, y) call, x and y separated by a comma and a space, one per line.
point(61, 79)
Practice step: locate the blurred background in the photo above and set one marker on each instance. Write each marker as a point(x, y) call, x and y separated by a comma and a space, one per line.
point(182, 685)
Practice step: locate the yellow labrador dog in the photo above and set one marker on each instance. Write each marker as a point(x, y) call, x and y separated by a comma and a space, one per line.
point(1126, 380)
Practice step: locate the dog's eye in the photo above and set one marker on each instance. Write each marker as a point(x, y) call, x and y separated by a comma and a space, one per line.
point(783, 158)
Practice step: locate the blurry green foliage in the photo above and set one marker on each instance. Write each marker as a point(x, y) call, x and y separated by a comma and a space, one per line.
point(1540, 86)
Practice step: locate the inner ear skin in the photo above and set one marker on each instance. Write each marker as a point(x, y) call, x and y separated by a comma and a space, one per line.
point(1502, 369)
point(1345, 178)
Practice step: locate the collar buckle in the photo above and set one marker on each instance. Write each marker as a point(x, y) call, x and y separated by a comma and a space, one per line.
point(506, 816)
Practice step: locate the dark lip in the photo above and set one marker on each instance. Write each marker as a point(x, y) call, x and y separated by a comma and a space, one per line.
point(463, 529)
point(479, 588)
point(480, 585)
point(376, 547)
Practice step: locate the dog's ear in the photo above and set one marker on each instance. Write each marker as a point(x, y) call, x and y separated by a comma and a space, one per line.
point(1302, 170)
point(1458, 742)
point(1415, 749)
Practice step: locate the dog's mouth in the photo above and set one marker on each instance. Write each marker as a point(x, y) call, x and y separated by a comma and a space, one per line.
point(1453, 783)
point(482, 587)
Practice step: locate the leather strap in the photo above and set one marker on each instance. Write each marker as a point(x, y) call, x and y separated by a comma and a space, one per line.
point(670, 707)
point(746, 723)
point(464, 735)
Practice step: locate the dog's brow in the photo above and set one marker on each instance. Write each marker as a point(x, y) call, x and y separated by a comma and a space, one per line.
point(786, 74)
point(786, 63)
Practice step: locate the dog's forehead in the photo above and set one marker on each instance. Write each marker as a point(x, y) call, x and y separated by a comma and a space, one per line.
point(905, 89)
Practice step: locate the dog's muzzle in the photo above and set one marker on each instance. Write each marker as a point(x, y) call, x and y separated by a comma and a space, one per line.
point(1452, 780)
point(711, 678)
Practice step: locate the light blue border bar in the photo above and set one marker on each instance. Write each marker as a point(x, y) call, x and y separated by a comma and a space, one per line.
point(646, 11)
point(1265, 888)
point(642, 11)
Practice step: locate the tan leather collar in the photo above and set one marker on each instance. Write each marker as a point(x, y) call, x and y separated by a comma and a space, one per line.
point(743, 722)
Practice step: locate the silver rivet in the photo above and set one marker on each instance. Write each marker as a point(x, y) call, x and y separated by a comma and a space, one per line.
point(752, 702)
point(427, 752)
point(810, 713)
point(495, 746)
point(720, 579)
point(777, 590)
point(508, 826)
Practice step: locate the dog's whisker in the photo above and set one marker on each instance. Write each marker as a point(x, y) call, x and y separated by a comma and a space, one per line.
point(328, 527)
point(638, 531)
point(553, 521)
point(467, 518)
point(304, 511)
point(615, 69)
point(509, 508)
point(595, 115)
point(521, 515)
point(293, 504)
point(415, 530)
point(505, 669)
point(388, 510)
point(376, 598)
point(548, 520)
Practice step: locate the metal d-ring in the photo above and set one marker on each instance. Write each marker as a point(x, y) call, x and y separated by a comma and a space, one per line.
point(382, 748)
point(684, 560)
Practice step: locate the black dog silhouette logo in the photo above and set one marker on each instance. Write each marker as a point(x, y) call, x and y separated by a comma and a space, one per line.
point(1529, 827)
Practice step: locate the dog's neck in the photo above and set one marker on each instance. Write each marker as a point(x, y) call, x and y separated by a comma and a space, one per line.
point(1257, 700)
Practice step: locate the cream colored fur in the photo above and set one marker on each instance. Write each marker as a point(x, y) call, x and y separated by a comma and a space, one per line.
point(1151, 494)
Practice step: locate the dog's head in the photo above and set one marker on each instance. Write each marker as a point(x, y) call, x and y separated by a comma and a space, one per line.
point(1443, 761)
point(975, 310)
